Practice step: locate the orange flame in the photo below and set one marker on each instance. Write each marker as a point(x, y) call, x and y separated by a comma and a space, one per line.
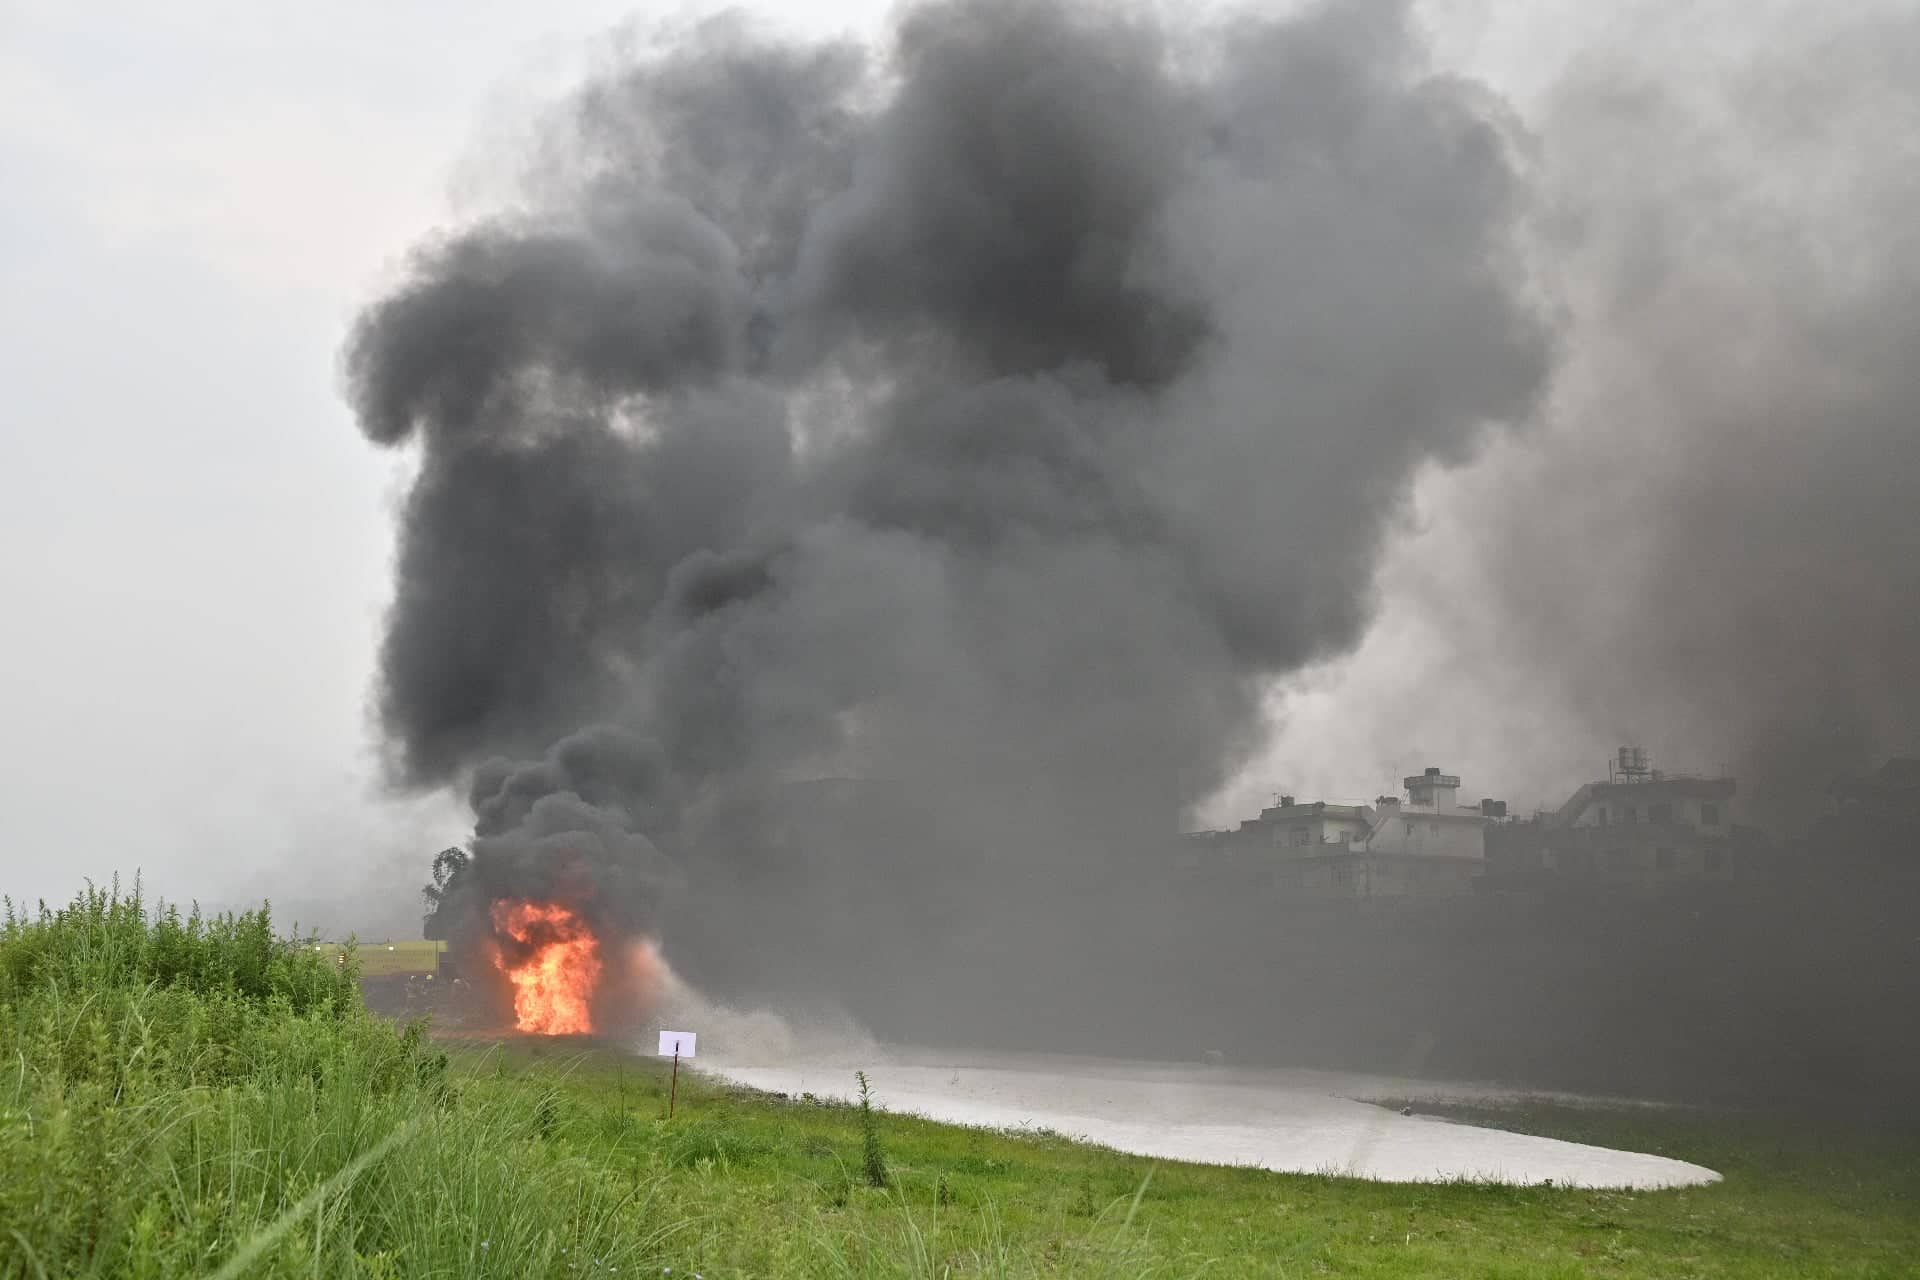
point(553, 987)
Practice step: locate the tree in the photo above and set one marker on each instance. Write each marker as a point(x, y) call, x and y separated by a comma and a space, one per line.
point(448, 865)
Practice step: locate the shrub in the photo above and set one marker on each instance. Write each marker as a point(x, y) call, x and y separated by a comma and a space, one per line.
point(873, 1159)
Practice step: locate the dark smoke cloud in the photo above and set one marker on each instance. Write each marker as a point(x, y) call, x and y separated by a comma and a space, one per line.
point(579, 826)
point(991, 416)
point(1005, 209)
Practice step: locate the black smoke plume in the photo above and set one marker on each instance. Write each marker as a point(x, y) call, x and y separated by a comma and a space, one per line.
point(987, 417)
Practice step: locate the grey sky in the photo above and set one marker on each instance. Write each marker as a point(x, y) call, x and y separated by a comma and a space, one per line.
point(200, 198)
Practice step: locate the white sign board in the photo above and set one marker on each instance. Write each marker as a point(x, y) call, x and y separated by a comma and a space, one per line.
point(677, 1044)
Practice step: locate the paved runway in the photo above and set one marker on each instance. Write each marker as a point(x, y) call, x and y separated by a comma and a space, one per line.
point(1293, 1121)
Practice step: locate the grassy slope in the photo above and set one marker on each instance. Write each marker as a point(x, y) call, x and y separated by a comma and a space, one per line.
point(177, 1095)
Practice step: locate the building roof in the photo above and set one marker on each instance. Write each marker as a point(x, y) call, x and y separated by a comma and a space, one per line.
point(1668, 785)
point(1314, 809)
point(1892, 788)
point(1901, 774)
point(1651, 789)
point(1636, 834)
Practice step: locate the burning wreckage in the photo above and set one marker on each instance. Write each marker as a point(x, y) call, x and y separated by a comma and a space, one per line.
point(548, 919)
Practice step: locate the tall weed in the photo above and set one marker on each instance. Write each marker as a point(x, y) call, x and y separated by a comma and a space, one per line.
point(181, 1094)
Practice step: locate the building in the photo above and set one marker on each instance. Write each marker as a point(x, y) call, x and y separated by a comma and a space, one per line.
point(1868, 831)
point(1430, 823)
point(1289, 825)
point(1640, 827)
point(1424, 846)
point(1292, 825)
point(1428, 846)
point(1890, 793)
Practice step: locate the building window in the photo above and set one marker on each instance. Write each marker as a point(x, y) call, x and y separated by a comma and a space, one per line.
point(1633, 814)
point(1663, 859)
point(1660, 813)
point(1603, 815)
point(1300, 837)
point(1709, 815)
point(1713, 859)
point(1617, 860)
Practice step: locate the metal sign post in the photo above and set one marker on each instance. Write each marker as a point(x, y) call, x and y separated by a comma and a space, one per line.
point(676, 1043)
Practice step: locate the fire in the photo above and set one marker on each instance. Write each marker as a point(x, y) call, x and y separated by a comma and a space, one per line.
point(553, 986)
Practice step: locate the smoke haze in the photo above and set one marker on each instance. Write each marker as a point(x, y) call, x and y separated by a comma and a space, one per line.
point(1707, 546)
point(868, 496)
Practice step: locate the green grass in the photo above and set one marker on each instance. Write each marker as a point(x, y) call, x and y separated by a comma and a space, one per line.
point(178, 1093)
point(193, 1097)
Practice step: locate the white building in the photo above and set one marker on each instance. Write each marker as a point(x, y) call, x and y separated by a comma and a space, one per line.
point(1293, 825)
point(1638, 827)
point(1425, 846)
point(1429, 824)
